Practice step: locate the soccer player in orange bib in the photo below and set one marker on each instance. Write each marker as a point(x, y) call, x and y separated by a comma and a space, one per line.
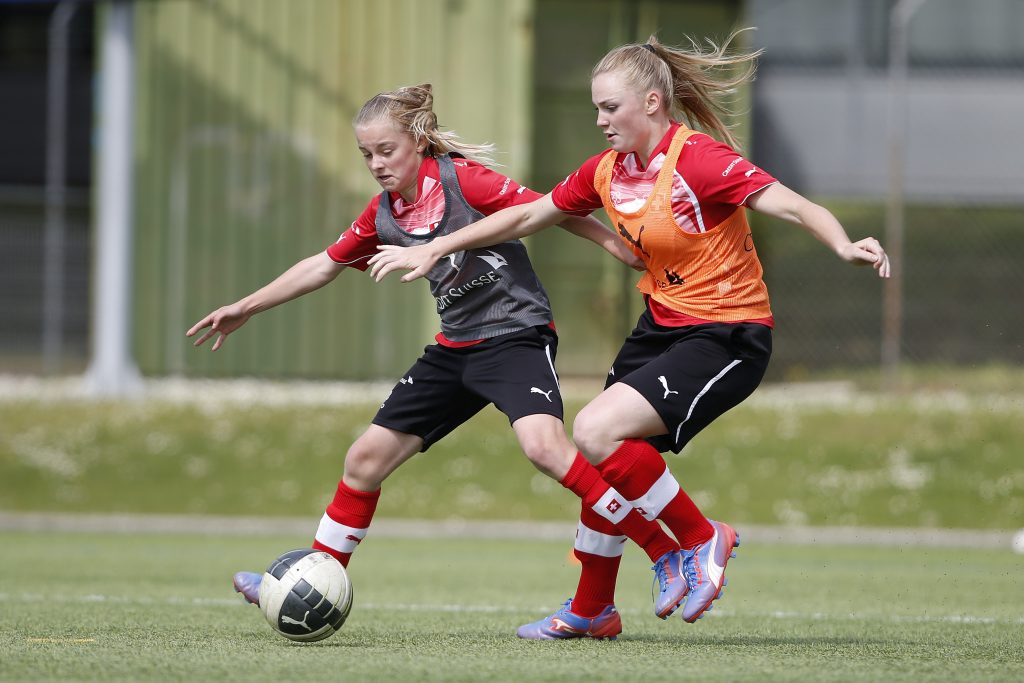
point(497, 345)
point(677, 197)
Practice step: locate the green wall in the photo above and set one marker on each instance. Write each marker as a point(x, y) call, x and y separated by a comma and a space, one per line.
point(245, 163)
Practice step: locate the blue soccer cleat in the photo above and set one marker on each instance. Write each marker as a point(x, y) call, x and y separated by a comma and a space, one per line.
point(670, 584)
point(565, 624)
point(704, 567)
point(248, 584)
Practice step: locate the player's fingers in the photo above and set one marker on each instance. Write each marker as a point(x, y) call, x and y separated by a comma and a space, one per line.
point(220, 342)
point(413, 274)
point(377, 265)
point(382, 270)
point(384, 251)
point(884, 267)
point(198, 326)
point(202, 339)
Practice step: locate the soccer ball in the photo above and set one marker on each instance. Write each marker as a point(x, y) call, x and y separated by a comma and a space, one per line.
point(306, 595)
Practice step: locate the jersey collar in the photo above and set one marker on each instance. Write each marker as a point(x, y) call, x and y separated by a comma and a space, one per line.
point(663, 145)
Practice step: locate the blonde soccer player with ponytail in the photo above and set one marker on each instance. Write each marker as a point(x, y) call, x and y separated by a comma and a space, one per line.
point(676, 191)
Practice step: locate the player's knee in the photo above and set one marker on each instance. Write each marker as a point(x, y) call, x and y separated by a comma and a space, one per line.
point(591, 434)
point(363, 466)
point(550, 456)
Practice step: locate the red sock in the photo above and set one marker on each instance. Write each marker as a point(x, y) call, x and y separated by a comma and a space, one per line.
point(598, 547)
point(345, 522)
point(585, 481)
point(639, 472)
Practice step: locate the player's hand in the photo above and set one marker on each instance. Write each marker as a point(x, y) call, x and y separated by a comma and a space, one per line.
point(223, 321)
point(418, 260)
point(634, 262)
point(865, 252)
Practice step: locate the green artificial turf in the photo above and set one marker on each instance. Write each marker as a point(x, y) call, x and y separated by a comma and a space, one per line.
point(95, 607)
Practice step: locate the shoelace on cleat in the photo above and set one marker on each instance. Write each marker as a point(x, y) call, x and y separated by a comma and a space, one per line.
point(689, 567)
point(661, 574)
point(563, 610)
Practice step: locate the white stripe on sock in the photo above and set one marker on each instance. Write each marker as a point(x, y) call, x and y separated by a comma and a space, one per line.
point(596, 543)
point(661, 493)
point(339, 537)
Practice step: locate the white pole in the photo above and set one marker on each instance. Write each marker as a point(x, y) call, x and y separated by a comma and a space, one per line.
point(112, 370)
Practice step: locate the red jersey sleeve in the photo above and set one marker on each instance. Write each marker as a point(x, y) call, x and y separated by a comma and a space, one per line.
point(359, 242)
point(488, 191)
point(715, 172)
point(577, 194)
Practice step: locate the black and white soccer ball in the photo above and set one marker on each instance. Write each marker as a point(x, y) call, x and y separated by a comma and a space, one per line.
point(306, 595)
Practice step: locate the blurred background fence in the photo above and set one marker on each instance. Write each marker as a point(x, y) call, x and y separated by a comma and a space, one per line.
point(244, 162)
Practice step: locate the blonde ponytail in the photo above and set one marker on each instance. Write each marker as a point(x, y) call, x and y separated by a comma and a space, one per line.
point(411, 109)
point(692, 80)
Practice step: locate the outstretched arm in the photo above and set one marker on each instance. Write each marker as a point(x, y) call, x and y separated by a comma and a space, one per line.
point(511, 223)
point(305, 276)
point(598, 233)
point(781, 202)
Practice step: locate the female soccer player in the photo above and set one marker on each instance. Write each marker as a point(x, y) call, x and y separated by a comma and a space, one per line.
point(677, 198)
point(497, 344)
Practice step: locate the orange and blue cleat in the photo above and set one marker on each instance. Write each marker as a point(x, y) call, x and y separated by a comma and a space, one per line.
point(565, 624)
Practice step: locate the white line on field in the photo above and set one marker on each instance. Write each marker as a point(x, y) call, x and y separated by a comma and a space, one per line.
point(508, 609)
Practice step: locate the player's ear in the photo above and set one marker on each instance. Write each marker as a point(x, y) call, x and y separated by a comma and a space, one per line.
point(652, 102)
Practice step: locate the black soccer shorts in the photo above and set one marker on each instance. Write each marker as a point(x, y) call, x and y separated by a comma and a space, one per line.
point(691, 375)
point(447, 386)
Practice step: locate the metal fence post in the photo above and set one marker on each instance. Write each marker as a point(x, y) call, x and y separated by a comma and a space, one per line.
point(56, 186)
point(892, 297)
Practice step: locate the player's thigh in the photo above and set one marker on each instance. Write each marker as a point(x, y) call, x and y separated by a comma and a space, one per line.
point(618, 413)
point(431, 399)
point(707, 372)
point(517, 374)
point(646, 342)
point(377, 453)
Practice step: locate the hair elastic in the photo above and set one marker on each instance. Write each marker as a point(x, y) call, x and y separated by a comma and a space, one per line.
point(649, 48)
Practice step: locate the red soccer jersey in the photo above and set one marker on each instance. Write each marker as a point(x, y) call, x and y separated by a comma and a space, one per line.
point(485, 190)
point(709, 182)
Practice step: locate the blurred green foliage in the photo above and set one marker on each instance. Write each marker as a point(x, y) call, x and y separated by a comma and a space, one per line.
point(820, 454)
